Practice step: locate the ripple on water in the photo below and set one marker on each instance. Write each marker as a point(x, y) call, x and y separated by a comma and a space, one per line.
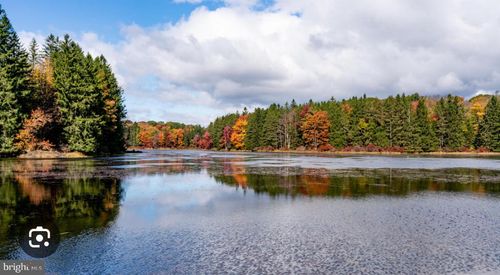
point(425, 233)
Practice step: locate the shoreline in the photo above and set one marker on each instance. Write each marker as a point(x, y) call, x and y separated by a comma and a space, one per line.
point(135, 150)
point(311, 152)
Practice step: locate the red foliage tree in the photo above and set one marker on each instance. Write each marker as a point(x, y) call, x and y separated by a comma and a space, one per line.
point(226, 137)
point(206, 141)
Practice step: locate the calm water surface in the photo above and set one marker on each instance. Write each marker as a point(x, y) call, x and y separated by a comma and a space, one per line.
point(207, 212)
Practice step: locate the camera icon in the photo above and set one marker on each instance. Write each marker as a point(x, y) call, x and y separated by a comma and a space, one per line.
point(39, 236)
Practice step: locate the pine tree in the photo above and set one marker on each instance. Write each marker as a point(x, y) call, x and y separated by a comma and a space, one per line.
point(78, 100)
point(338, 124)
point(489, 128)
point(270, 127)
point(114, 110)
point(15, 102)
point(423, 138)
point(254, 129)
point(33, 56)
point(450, 123)
point(456, 123)
point(52, 45)
point(133, 135)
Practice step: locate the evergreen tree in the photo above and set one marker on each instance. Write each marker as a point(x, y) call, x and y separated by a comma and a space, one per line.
point(338, 123)
point(423, 138)
point(78, 100)
point(114, 110)
point(270, 127)
point(33, 56)
point(133, 135)
point(254, 132)
point(456, 123)
point(52, 45)
point(450, 123)
point(489, 129)
point(15, 95)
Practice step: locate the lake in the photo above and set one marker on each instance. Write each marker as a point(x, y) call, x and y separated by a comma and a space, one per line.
point(214, 212)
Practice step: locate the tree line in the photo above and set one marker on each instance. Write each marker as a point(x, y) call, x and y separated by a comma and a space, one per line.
point(153, 134)
point(57, 97)
point(401, 123)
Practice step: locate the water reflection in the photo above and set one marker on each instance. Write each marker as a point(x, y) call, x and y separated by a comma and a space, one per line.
point(350, 186)
point(177, 219)
point(75, 203)
point(352, 182)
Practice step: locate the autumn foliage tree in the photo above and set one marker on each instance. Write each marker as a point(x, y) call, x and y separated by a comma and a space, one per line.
point(206, 141)
point(225, 140)
point(148, 136)
point(315, 129)
point(239, 132)
point(177, 136)
point(31, 136)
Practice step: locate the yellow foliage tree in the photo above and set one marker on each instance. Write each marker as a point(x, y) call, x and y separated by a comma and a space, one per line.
point(177, 136)
point(239, 132)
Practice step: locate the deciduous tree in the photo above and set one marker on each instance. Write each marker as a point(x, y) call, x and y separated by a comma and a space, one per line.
point(239, 132)
point(315, 129)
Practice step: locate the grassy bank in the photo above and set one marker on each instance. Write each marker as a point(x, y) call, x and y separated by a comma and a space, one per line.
point(52, 155)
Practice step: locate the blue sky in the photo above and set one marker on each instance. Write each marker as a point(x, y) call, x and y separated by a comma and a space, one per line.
point(192, 60)
point(102, 17)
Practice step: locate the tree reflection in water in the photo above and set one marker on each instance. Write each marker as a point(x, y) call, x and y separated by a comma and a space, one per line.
point(358, 183)
point(74, 202)
point(85, 194)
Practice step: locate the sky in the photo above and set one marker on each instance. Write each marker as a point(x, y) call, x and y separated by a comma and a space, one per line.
point(192, 60)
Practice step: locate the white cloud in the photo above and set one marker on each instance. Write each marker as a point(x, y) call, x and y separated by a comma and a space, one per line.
point(26, 38)
point(238, 55)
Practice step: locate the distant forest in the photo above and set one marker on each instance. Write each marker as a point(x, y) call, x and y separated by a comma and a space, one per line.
point(401, 123)
point(56, 97)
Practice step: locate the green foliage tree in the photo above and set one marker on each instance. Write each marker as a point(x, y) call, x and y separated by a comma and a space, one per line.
point(254, 132)
point(270, 127)
point(489, 128)
point(450, 123)
point(15, 94)
point(79, 102)
point(423, 137)
point(114, 109)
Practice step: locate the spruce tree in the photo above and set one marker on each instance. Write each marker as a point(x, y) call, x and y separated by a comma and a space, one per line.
point(338, 123)
point(114, 111)
point(15, 101)
point(424, 139)
point(270, 127)
point(254, 132)
point(78, 100)
point(456, 123)
point(489, 128)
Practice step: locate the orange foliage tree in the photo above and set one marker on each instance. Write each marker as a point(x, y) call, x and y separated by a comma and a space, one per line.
point(148, 135)
point(31, 135)
point(177, 138)
point(315, 129)
point(239, 132)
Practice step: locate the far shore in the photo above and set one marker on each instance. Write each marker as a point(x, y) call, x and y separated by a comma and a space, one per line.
point(77, 155)
point(340, 152)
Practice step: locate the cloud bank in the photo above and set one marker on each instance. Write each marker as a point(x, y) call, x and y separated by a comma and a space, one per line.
point(251, 53)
